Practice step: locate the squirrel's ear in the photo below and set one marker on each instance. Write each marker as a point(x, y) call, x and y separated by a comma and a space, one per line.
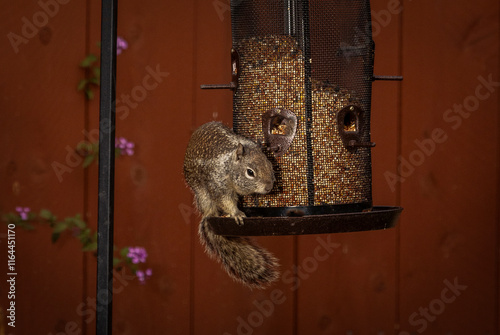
point(240, 151)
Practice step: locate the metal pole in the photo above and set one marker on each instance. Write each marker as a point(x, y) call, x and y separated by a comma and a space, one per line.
point(106, 168)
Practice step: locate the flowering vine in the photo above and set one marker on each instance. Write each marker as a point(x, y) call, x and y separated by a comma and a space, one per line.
point(93, 71)
point(133, 258)
point(90, 150)
point(138, 255)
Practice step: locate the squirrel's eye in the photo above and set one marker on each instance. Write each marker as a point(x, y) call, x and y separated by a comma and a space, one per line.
point(250, 173)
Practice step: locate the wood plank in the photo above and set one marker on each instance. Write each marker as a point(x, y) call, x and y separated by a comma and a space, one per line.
point(354, 290)
point(41, 117)
point(448, 235)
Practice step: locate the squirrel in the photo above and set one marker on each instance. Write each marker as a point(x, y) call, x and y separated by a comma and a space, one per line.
point(219, 166)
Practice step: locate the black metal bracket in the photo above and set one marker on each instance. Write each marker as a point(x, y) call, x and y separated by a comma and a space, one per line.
point(231, 86)
point(355, 144)
point(388, 78)
point(235, 73)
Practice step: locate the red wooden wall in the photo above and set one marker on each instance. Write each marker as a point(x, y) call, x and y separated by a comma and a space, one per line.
point(437, 155)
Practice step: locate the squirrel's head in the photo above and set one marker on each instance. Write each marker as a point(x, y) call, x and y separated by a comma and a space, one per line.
point(253, 172)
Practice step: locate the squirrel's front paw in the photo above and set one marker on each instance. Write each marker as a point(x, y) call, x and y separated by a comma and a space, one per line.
point(238, 217)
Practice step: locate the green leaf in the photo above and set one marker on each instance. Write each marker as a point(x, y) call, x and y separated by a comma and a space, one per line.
point(84, 148)
point(88, 160)
point(84, 236)
point(25, 225)
point(72, 221)
point(97, 72)
point(79, 223)
point(11, 217)
point(116, 261)
point(93, 238)
point(85, 232)
point(82, 84)
point(87, 62)
point(124, 252)
point(94, 81)
point(89, 94)
point(55, 237)
point(90, 247)
point(46, 215)
point(59, 227)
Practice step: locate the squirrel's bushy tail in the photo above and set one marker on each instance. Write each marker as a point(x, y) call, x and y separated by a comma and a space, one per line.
point(242, 259)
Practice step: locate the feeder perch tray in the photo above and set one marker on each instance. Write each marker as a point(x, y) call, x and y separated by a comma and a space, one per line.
point(379, 217)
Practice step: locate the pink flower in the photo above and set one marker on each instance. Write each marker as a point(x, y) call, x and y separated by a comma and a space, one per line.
point(23, 212)
point(126, 147)
point(143, 275)
point(121, 45)
point(137, 254)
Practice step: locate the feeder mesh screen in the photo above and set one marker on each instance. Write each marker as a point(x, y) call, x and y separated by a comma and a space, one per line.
point(313, 58)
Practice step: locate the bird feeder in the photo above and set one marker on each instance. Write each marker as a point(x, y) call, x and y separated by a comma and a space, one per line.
point(302, 74)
